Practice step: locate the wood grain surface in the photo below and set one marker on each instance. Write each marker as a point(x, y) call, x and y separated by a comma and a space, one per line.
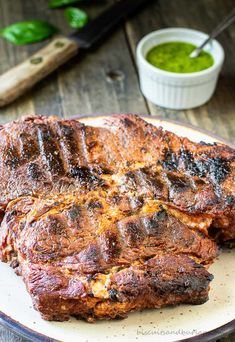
point(17, 80)
point(105, 80)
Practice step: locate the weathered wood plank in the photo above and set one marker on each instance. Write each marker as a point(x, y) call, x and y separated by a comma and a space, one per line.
point(102, 81)
point(218, 114)
point(11, 11)
point(45, 94)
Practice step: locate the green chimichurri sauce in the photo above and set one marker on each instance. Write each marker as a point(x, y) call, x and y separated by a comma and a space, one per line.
point(174, 57)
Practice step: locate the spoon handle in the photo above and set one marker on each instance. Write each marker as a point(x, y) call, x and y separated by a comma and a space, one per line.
point(228, 20)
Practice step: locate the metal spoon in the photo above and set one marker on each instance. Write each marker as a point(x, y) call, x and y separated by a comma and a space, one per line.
point(228, 20)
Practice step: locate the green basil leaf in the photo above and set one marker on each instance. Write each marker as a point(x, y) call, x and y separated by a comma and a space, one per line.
point(26, 32)
point(60, 3)
point(76, 17)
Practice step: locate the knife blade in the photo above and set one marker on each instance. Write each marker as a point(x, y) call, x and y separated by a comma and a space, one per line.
point(98, 28)
point(16, 81)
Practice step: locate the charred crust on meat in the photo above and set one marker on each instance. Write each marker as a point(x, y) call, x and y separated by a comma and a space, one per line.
point(21, 226)
point(127, 122)
point(187, 283)
point(101, 170)
point(218, 169)
point(113, 295)
point(91, 277)
point(230, 200)
point(195, 168)
point(136, 202)
point(153, 181)
point(91, 144)
point(153, 225)
point(177, 184)
point(116, 199)
point(68, 141)
point(170, 160)
point(94, 204)
point(130, 175)
point(110, 245)
point(203, 143)
point(130, 180)
point(48, 150)
point(74, 212)
point(34, 172)
point(86, 177)
point(161, 214)
point(56, 226)
point(91, 254)
point(87, 241)
point(12, 159)
point(66, 130)
point(215, 168)
point(133, 231)
point(28, 146)
point(14, 263)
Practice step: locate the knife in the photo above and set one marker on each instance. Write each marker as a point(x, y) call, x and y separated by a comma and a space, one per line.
point(22, 77)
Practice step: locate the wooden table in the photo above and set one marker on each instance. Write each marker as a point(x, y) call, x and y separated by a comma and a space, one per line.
point(105, 80)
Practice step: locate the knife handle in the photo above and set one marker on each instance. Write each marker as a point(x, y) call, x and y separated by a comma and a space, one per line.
point(17, 80)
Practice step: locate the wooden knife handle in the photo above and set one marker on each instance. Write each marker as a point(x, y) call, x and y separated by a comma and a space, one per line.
point(17, 80)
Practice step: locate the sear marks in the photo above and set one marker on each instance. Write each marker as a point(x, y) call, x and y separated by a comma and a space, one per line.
point(48, 149)
point(152, 183)
point(34, 172)
point(110, 245)
point(218, 169)
point(106, 220)
point(131, 231)
point(86, 177)
point(69, 145)
point(63, 155)
point(12, 158)
point(160, 230)
point(74, 212)
point(170, 160)
point(215, 168)
point(162, 277)
point(28, 146)
point(155, 225)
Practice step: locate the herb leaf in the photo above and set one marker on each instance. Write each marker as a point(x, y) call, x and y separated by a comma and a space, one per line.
point(76, 17)
point(26, 32)
point(60, 3)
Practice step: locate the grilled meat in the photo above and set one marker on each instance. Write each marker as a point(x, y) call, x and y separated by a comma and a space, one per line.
point(101, 221)
point(163, 280)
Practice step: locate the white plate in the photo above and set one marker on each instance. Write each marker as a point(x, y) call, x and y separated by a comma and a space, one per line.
point(212, 319)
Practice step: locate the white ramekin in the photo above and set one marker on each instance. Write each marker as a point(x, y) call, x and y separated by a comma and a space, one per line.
point(175, 90)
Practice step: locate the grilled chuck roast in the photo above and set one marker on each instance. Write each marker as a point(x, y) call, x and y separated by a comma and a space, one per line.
point(101, 221)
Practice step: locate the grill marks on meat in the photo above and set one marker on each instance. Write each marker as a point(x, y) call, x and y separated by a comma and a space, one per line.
point(28, 147)
point(49, 151)
point(60, 228)
point(69, 144)
point(160, 281)
point(181, 191)
point(155, 162)
point(47, 155)
point(161, 231)
point(212, 165)
point(216, 168)
point(105, 220)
